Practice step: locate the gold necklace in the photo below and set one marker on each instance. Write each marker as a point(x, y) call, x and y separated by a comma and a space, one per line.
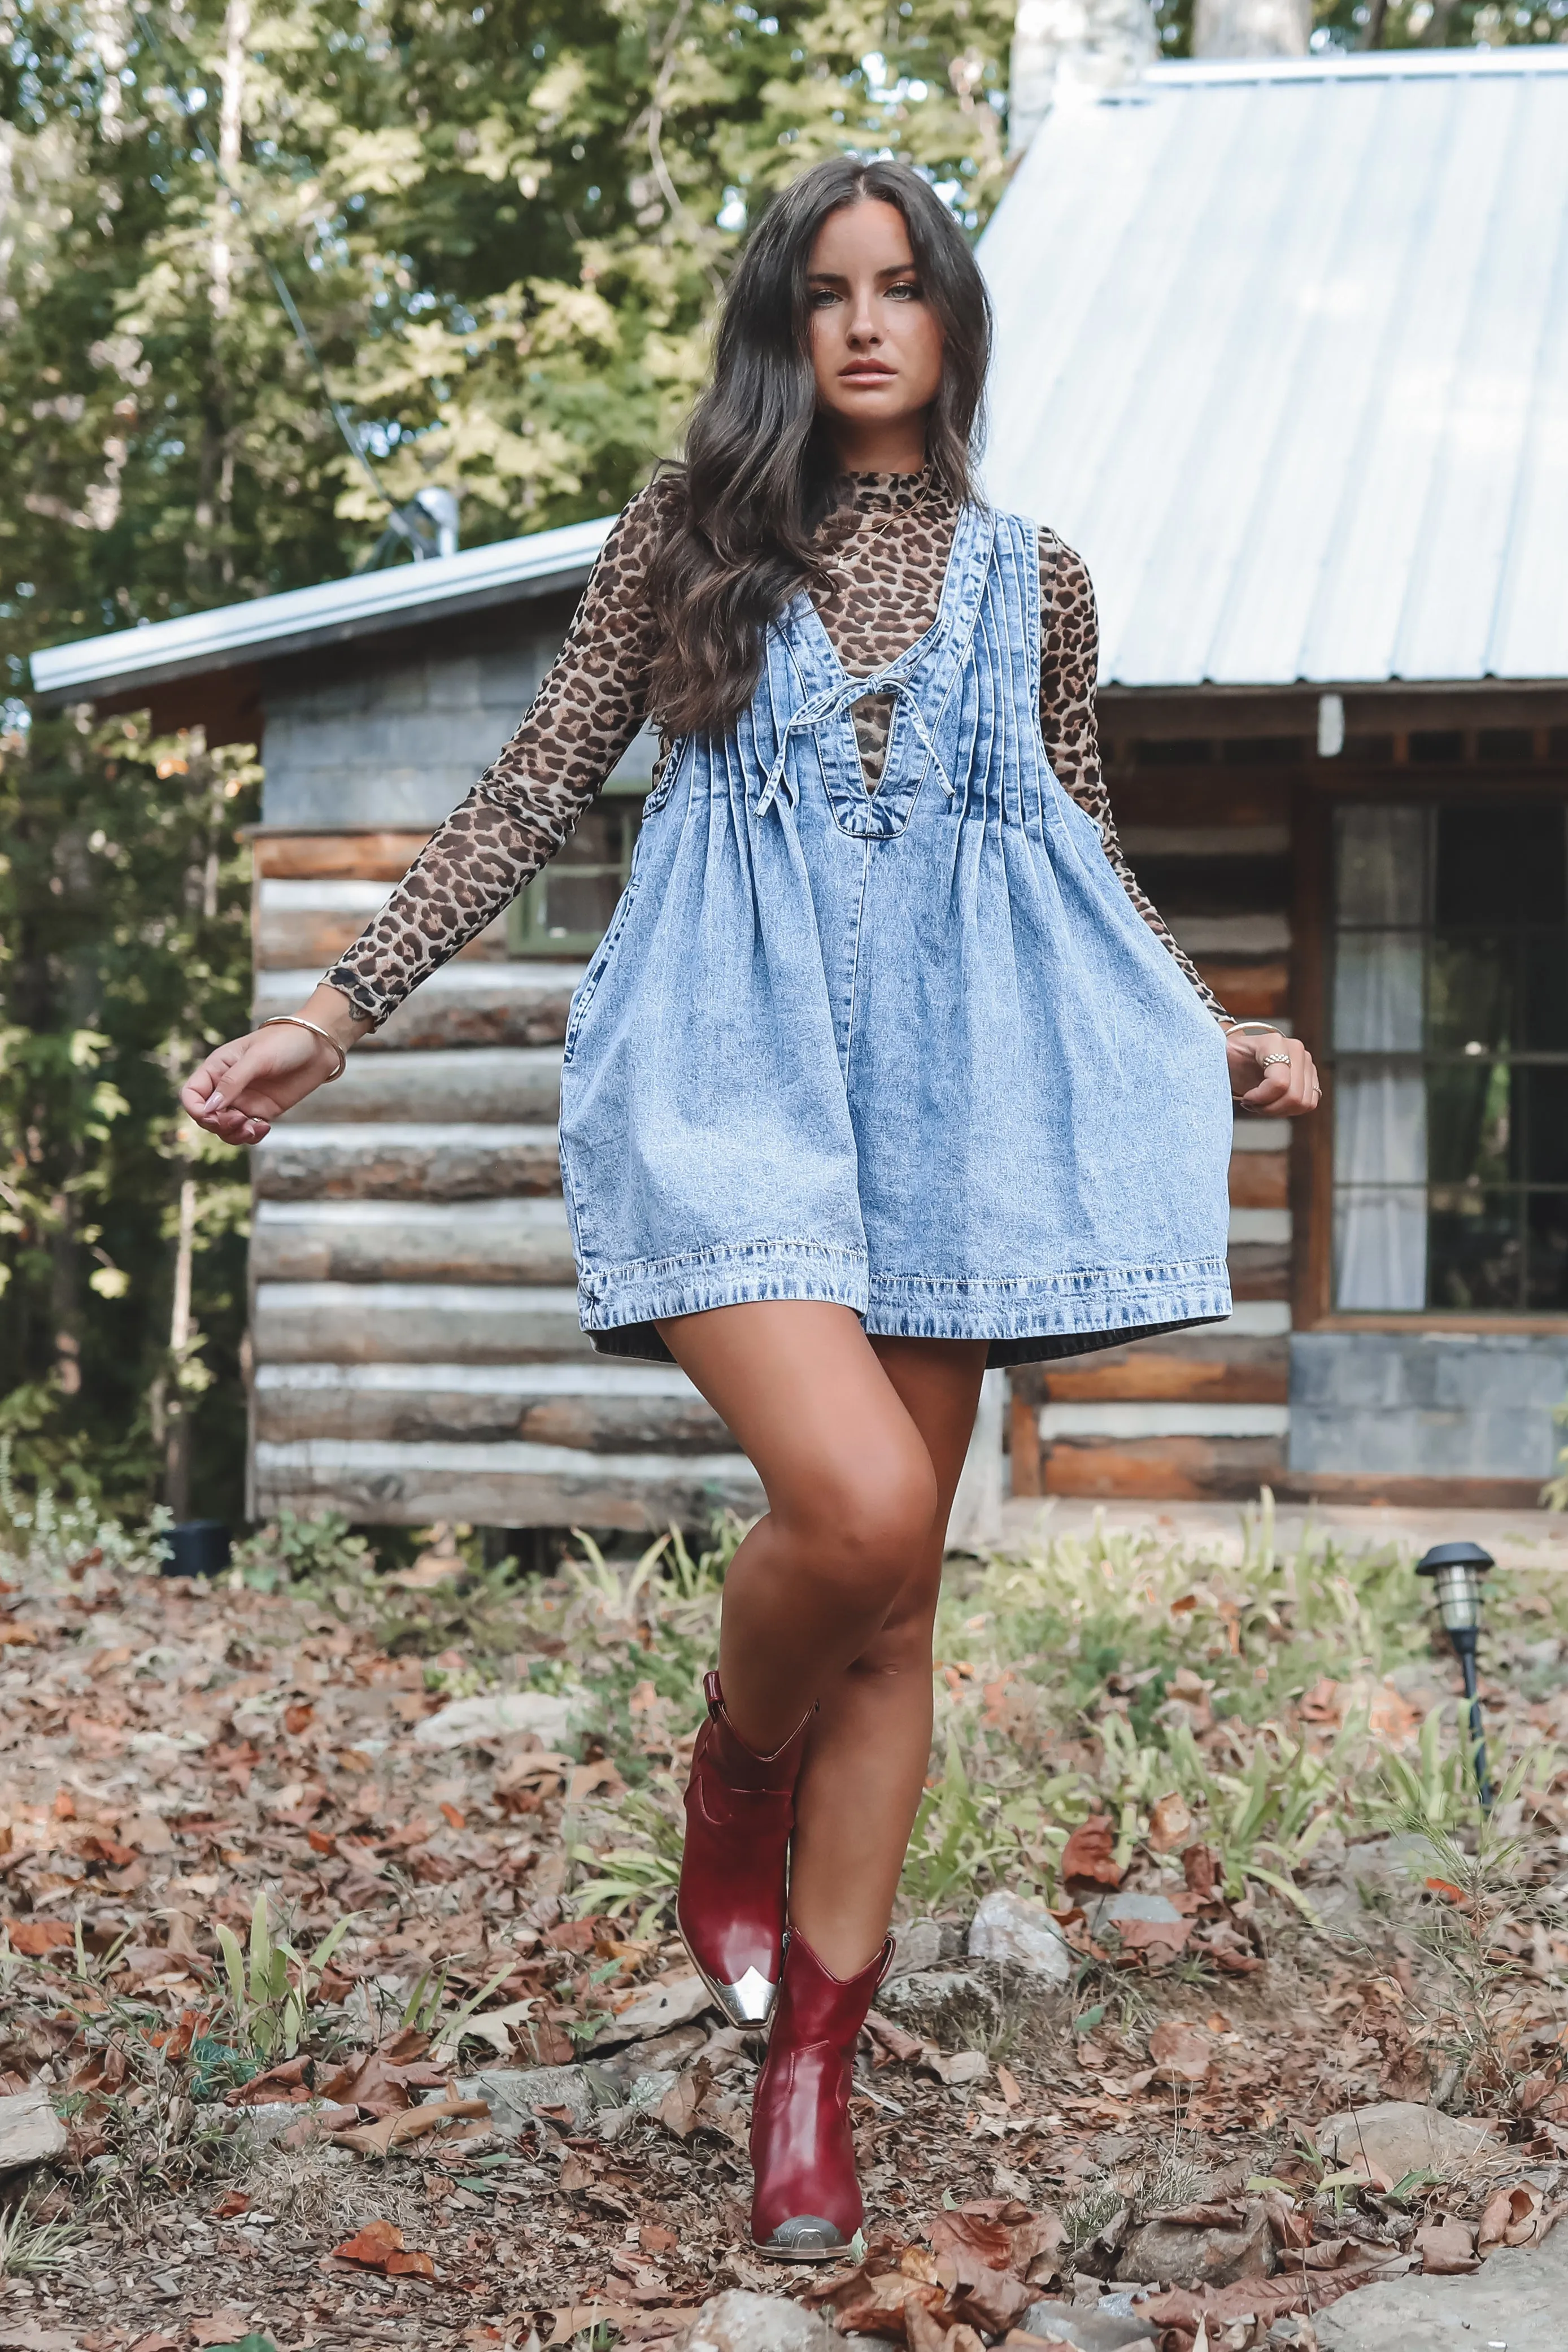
point(885, 523)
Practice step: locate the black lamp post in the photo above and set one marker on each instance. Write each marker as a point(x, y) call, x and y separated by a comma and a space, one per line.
point(1456, 1570)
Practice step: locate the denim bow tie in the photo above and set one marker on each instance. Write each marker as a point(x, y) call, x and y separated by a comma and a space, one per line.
point(832, 703)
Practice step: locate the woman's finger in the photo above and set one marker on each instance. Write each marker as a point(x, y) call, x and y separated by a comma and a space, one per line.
point(1288, 1087)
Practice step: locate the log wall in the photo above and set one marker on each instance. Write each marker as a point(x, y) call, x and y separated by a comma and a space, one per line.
point(1201, 1414)
point(413, 1314)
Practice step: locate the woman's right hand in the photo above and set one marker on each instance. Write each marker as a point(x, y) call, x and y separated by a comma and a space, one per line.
point(241, 1088)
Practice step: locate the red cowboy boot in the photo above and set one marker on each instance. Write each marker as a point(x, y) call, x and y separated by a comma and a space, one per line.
point(805, 2205)
point(740, 1811)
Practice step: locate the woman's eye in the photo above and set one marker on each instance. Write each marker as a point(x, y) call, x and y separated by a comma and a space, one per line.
point(906, 290)
point(821, 296)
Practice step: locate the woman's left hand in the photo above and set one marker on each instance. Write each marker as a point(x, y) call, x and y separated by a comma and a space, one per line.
point(1286, 1089)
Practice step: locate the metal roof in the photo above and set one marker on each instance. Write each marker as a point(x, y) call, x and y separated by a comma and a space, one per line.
point(1283, 350)
point(505, 572)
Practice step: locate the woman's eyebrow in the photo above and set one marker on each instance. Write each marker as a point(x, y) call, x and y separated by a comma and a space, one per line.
point(836, 277)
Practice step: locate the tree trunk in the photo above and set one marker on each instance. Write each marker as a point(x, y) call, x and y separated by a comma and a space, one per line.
point(1251, 28)
point(1063, 48)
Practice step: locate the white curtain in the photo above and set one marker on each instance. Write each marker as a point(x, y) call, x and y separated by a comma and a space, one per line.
point(1383, 870)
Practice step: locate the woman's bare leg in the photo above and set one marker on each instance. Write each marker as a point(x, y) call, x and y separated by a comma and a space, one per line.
point(858, 1444)
point(865, 1761)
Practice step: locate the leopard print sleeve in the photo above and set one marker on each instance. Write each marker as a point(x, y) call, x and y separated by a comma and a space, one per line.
point(1070, 656)
point(593, 699)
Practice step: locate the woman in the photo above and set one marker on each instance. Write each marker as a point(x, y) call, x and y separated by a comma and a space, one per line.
point(883, 1072)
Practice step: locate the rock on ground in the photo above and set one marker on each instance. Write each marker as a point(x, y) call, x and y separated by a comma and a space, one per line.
point(494, 1715)
point(923, 1944)
point(1520, 2299)
point(1396, 2136)
point(952, 2005)
point(1088, 2331)
point(31, 2131)
point(669, 2002)
point(1006, 1927)
point(737, 2321)
point(1191, 2256)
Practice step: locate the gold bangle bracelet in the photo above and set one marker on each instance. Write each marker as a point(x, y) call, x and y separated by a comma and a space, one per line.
point(298, 1021)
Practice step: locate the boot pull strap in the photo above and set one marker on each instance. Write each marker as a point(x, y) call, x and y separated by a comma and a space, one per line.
point(712, 1694)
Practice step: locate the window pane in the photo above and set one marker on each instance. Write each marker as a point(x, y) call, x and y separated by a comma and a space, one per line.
point(1377, 991)
point(1469, 1124)
point(1501, 862)
point(1543, 1024)
point(1548, 1286)
point(1380, 1248)
point(1382, 866)
point(604, 836)
point(1542, 1096)
point(1476, 1249)
point(1472, 992)
point(580, 902)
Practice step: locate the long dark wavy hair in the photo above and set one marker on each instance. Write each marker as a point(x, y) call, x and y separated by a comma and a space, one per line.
point(758, 467)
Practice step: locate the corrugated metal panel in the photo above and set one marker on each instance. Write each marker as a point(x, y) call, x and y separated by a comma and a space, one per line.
point(510, 568)
point(1283, 349)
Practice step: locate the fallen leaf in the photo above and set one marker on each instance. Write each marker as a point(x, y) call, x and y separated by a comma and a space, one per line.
point(219, 2327)
point(891, 2043)
point(230, 2205)
point(678, 2108)
point(1087, 1856)
point(1007, 2083)
point(34, 1937)
point(974, 2234)
point(1512, 2216)
point(1200, 1867)
point(656, 2239)
point(1180, 2052)
point(964, 2066)
point(379, 2247)
point(407, 2124)
point(1446, 2247)
point(1160, 1938)
point(1171, 1824)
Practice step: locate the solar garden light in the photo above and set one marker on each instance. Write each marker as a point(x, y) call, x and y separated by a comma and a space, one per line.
point(1456, 1570)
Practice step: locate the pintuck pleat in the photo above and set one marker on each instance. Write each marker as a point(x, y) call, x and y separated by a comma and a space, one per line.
point(909, 1049)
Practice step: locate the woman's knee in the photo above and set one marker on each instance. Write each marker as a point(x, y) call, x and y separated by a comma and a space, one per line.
point(864, 1523)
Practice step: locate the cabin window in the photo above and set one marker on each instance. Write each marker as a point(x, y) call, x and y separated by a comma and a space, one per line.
point(1449, 1035)
point(566, 909)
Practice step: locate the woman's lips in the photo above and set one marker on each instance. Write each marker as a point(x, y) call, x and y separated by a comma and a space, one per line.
point(868, 372)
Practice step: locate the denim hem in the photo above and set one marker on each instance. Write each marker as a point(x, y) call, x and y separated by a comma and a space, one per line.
point(1088, 1300)
point(1027, 1320)
point(648, 1289)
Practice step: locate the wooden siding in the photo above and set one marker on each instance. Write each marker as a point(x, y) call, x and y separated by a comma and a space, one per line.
point(1201, 1414)
point(413, 1314)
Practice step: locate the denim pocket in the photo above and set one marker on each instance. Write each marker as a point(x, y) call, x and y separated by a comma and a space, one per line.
point(588, 986)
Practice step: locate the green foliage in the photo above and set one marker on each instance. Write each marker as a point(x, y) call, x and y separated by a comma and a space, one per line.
point(644, 1877)
point(318, 1552)
point(46, 1537)
point(29, 2249)
point(270, 1985)
point(124, 896)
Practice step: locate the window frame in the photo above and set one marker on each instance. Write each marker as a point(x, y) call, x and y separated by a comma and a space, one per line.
point(527, 940)
point(1314, 929)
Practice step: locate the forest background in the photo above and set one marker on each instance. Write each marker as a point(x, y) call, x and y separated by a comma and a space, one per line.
point(505, 227)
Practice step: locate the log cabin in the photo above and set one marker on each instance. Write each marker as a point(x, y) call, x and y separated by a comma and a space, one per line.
point(1283, 349)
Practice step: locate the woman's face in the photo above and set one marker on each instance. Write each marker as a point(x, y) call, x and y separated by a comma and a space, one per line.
point(876, 345)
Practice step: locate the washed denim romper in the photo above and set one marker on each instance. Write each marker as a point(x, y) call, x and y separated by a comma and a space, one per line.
point(910, 1049)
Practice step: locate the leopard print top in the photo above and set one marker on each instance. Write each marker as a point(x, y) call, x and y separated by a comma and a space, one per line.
point(885, 544)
